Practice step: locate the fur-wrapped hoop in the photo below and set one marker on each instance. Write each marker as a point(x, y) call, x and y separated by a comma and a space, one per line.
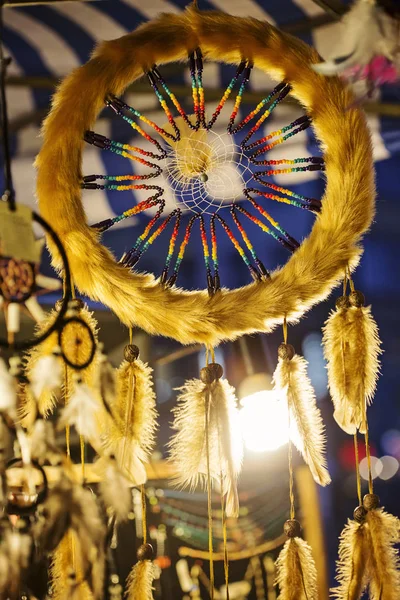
point(313, 270)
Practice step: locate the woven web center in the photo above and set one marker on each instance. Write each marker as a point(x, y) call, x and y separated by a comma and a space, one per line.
point(207, 171)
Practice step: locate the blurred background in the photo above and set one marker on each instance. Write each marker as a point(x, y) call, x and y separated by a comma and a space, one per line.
point(46, 40)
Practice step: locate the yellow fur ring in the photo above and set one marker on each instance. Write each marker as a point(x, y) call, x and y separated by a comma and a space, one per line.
point(196, 316)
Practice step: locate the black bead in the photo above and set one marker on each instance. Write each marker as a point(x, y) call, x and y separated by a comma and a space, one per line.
point(357, 299)
point(371, 501)
point(286, 351)
point(131, 353)
point(145, 552)
point(342, 302)
point(292, 528)
point(359, 514)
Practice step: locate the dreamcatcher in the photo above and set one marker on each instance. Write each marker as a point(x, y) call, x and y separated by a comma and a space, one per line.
point(220, 183)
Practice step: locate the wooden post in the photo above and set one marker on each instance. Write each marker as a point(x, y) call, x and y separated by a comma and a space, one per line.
point(312, 524)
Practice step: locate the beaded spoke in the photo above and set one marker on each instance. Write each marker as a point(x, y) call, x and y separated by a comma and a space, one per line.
point(191, 187)
point(288, 241)
point(254, 272)
point(102, 226)
point(182, 250)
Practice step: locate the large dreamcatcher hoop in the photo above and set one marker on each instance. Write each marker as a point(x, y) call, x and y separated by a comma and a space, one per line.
point(214, 314)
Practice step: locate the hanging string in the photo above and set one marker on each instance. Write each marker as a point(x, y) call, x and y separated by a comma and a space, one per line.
point(285, 330)
point(225, 539)
point(345, 282)
point(258, 578)
point(368, 452)
point(130, 335)
point(82, 446)
point(209, 499)
point(291, 478)
point(144, 512)
point(290, 448)
point(67, 429)
point(9, 194)
point(357, 469)
point(352, 288)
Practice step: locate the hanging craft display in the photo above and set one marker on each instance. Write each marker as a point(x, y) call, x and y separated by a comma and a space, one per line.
point(67, 374)
point(154, 303)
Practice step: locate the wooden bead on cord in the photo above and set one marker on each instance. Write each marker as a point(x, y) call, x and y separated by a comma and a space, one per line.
point(371, 501)
point(131, 353)
point(292, 528)
point(286, 351)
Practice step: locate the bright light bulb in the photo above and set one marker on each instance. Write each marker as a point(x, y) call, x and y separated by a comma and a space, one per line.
point(264, 420)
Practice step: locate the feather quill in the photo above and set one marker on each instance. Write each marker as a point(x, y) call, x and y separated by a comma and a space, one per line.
point(188, 446)
point(352, 348)
point(130, 434)
point(384, 530)
point(291, 379)
point(140, 581)
point(296, 572)
point(353, 564)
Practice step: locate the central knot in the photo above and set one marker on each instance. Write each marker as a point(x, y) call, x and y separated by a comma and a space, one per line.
point(206, 170)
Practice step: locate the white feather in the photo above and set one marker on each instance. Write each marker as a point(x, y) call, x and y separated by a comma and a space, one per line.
point(131, 460)
point(368, 31)
point(81, 412)
point(188, 446)
point(292, 382)
point(115, 491)
point(8, 392)
point(24, 446)
point(46, 375)
point(43, 442)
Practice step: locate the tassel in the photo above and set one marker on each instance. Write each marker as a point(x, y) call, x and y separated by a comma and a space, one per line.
point(114, 488)
point(130, 434)
point(81, 549)
point(354, 559)
point(15, 553)
point(45, 402)
point(352, 348)
point(67, 577)
point(384, 534)
point(296, 572)
point(291, 379)
point(140, 579)
point(188, 446)
point(8, 394)
point(81, 412)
